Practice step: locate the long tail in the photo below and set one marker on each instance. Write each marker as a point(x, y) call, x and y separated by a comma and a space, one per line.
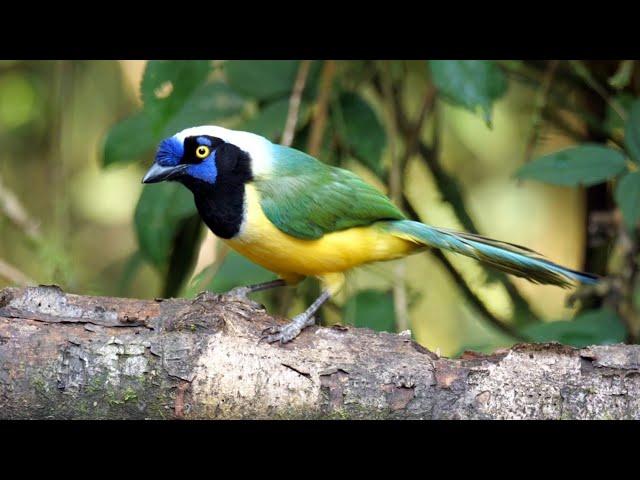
point(504, 256)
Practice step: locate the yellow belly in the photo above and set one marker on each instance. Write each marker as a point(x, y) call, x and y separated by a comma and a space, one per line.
point(292, 258)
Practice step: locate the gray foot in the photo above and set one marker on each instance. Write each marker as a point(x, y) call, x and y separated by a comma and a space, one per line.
point(240, 294)
point(286, 333)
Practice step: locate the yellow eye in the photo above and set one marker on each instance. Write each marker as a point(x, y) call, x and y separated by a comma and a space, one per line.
point(202, 152)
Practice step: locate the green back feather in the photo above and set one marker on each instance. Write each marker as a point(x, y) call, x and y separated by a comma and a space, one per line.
point(307, 198)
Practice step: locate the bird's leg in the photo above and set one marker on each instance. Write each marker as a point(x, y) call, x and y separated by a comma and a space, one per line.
point(286, 333)
point(240, 293)
point(244, 291)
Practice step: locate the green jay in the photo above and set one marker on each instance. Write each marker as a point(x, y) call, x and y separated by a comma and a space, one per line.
point(299, 217)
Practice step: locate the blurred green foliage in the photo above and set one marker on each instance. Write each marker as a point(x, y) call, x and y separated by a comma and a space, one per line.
point(471, 84)
point(447, 127)
point(361, 130)
point(584, 165)
point(371, 309)
point(595, 327)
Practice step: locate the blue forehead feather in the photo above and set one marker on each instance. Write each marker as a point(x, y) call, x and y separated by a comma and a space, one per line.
point(170, 152)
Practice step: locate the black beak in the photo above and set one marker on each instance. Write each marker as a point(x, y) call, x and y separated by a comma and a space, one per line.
point(158, 173)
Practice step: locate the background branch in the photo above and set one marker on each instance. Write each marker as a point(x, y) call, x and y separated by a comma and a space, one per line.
point(294, 103)
point(322, 107)
point(13, 209)
point(14, 275)
point(541, 102)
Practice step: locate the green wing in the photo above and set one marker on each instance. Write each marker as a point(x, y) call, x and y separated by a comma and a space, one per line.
point(307, 198)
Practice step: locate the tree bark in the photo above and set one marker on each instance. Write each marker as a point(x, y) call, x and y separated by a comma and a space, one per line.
point(66, 356)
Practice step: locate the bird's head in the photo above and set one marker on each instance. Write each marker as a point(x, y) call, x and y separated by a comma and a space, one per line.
point(186, 159)
point(206, 156)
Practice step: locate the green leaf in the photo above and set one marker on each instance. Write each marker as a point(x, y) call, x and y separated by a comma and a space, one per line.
point(128, 140)
point(586, 164)
point(269, 121)
point(237, 271)
point(159, 215)
point(469, 83)
point(598, 327)
point(184, 253)
point(167, 84)
point(133, 137)
point(628, 198)
point(371, 309)
point(632, 131)
point(361, 130)
point(262, 79)
point(210, 102)
point(622, 77)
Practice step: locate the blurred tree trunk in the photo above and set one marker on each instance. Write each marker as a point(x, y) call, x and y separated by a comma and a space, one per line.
point(68, 356)
point(599, 199)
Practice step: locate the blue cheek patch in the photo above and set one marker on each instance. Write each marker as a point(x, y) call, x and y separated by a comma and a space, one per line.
point(169, 152)
point(206, 170)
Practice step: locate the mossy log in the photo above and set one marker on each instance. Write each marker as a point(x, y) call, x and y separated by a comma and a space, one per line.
point(66, 356)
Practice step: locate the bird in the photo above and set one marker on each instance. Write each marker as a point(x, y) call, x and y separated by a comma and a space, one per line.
point(299, 217)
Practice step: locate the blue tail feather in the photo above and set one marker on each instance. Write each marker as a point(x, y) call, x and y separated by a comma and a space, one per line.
point(508, 257)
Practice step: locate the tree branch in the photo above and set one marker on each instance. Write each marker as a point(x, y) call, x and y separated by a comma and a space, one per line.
point(66, 356)
point(294, 103)
point(14, 275)
point(322, 106)
point(13, 209)
point(540, 104)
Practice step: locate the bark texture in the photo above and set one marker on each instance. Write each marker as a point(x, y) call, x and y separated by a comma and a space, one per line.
point(67, 356)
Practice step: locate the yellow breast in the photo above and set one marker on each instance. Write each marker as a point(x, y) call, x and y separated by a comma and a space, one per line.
point(263, 243)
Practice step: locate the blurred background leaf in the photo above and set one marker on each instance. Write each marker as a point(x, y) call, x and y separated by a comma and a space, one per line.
point(208, 103)
point(472, 84)
point(628, 198)
point(167, 85)
point(600, 327)
point(632, 131)
point(583, 165)
point(184, 254)
point(371, 309)
point(262, 79)
point(361, 130)
point(128, 140)
point(159, 215)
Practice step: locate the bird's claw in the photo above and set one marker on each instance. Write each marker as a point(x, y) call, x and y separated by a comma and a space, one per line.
point(284, 333)
point(279, 333)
